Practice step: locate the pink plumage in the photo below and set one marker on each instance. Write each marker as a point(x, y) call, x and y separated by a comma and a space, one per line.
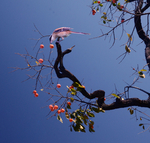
point(63, 32)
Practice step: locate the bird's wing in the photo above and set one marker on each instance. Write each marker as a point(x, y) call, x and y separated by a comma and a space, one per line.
point(66, 28)
point(61, 29)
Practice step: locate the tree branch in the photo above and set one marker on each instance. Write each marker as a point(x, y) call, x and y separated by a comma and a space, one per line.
point(61, 72)
point(127, 103)
point(140, 31)
point(138, 25)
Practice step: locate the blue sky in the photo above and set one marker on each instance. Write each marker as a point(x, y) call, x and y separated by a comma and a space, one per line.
point(22, 118)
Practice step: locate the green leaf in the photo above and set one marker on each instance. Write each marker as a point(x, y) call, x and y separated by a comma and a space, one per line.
point(78, 119)
point(102, 16)
point(73, 90)
point(71, 99)
point(85, 117)
point(131, 111)
point(115, 95)
point(72, 115)
point(140, 124)
point(82, 128)
point(73, 93)
point(60, 119)
point(104, 21)
point(91, 122)
point(95, 109)
point(127, 49)
point(95, 1)
point(143, 127)
point(141, 74)
point(67, 115)
point(68, 106)
point(129, 36)
point(75, 84)
point(80, 86)
point(105, 17)
point(85, 121)
point(143, 70)
point(90, 114)
point(78, 112)
point(101, 5)
point(81, 110)
point(91, 130)
point(76, 127)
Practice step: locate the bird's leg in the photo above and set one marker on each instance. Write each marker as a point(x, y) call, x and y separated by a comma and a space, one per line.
point(58, 39)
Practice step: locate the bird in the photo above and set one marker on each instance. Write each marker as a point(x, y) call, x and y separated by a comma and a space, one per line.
point(63, 32)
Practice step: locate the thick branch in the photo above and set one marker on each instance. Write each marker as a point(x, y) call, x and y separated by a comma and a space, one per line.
point(138, 25)
point(140, 31)
point(127, 103)
point(64, 73)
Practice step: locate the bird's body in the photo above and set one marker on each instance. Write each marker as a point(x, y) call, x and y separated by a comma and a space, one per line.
point(63, 32)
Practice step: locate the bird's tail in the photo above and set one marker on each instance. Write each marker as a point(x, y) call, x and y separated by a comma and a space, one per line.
point(80, 33)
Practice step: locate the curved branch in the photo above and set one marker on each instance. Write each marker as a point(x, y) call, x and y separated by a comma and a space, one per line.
point(137, 88)
point(126, 103)
point(61, 72)
point(140, 31)
point(138, 25)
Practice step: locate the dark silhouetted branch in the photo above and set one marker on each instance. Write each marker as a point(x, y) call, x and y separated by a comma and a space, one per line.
point(140, 31)
point(61, 72)
point(127, 103)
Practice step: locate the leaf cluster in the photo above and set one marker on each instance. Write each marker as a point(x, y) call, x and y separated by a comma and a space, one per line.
point(81, 118)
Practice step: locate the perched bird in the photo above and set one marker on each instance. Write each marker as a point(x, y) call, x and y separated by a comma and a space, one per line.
point(63, 32)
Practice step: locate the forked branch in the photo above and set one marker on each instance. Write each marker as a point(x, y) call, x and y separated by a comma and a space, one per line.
point(64, 73)
point(119, 103)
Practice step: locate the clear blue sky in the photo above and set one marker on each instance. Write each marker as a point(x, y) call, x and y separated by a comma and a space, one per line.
point(22, 119)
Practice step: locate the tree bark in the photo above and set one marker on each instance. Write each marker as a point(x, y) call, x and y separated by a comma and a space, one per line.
point(139, 29)
point(61, 72)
